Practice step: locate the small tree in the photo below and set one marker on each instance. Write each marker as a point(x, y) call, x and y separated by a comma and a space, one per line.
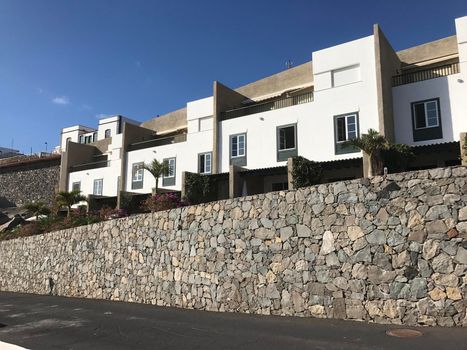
point(37, 208)
point(157, 169)
point(68, 199)
point(373, 145)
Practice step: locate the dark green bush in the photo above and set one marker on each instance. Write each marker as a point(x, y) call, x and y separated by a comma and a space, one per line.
point(305, 172)
point(199, 188)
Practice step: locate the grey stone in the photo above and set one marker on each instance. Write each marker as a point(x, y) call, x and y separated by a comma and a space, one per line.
point(376, 237)
point(303, 231)
point(461, 256)
point(328, 243)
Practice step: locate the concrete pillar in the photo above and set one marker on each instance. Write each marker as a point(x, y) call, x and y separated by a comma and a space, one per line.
point(290, 173)
point(235, 181)
point(366, 165)
point(463, 150)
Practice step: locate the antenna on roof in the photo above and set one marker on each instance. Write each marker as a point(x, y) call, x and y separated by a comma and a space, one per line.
point(288, 64)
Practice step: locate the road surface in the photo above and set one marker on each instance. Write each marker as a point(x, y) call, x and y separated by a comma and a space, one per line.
point(46, 322)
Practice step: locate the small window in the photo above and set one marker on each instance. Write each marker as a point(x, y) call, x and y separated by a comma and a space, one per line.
point(94, 137)
point(107, 133)
point(170, 167)
point(287, 138)
point(98, 186)
point(68, 139)
point(204, 163)
point(286, 142)
point(345, 128)
point(237, 144)
point(76, 186)
point(238, 149)
point(169, 177)
point(426, 114)
point(81, 139)
point(137, 176)
point(426, 120)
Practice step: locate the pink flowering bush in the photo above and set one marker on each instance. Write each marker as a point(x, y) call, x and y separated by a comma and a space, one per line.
point(163, 201)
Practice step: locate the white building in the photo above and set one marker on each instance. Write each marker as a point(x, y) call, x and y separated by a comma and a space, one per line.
point(415, 96)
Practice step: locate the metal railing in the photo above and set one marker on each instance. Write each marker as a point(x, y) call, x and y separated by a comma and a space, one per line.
point(426, 74)
point(268, 106)
point(87, 166)
point(157, 142)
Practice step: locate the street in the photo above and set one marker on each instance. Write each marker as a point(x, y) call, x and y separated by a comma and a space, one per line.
point(46, 322)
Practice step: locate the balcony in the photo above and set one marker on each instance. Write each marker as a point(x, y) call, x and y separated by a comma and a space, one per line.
point(426, 74)
point(87, 166)
point(268, 106)
point(160, 141)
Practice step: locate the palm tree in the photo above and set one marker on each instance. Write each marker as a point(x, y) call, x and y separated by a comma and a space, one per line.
point(372, 144)
point(37, 208)
point(157, 169)
point(67, 199)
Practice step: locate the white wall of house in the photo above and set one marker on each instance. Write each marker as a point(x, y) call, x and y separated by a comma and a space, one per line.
point(453, 106)
point(199, 140)
point(345, 82)
point(109, 174)
point(451, 91)
point(73, 132)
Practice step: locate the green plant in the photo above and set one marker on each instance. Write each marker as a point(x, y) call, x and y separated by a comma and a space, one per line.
point(68, 199)
point(305, 172)
point(157, 169)
point(37, 209)
point(198, 188)
point(372, 144)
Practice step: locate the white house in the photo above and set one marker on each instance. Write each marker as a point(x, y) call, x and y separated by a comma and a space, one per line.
point(415, 96)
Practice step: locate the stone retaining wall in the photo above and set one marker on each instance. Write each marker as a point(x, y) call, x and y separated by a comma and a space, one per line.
point(388, 250)
point(36, 180)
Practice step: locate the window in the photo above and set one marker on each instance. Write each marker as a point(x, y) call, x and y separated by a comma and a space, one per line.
point(286, 142)
point(345, 129)
point(426, 120)
point(68, 139)
point(107, 133)
point(238, 149)
point(81, 139)
point(170, 167)
point(237, 144)
point(169, 178)
point(204, 163)
point(426, 114)
point(137, 176)
point(97, 188)
point(85, 138)
point(94, 137)
point(76, 186)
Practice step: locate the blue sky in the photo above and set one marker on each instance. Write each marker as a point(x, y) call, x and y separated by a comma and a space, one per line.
point(66, 62)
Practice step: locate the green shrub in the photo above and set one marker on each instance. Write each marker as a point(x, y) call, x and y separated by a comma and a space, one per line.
point(305, 172)
point(199, 188)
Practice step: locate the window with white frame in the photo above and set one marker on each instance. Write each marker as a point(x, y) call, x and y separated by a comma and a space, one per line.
point(237, 145)
point(426, 114)
point(287, 136)
point(137, 176)
point(107, 133)
point(204, 163)
point(346, 127)
point(170, 168)
point(98, 187)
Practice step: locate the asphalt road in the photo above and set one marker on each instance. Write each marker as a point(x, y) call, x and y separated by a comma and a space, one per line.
point(45, 322)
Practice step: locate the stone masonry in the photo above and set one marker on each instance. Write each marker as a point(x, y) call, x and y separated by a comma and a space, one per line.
point(31, 182)
point(386, 250)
